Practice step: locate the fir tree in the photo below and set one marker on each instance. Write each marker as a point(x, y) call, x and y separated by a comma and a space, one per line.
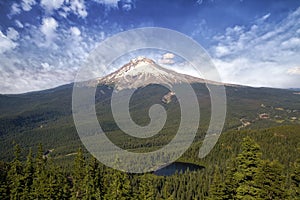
point(39, 185)
point(56, 184)
point(146, 188)
point(248, 167)
point(271, 180)
point(119, 186)
point(78, 175)
point(217, 189)
point(28, 175)
point(15, 175)
point(167, 191)
point(230, 183)
point(65, 190)
point(93, 181)
point(295, 177)
point(4, 190)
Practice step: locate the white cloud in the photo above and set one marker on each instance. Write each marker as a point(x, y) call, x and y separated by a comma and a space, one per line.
point(294, 71)
point(126, 5)
point(12, 33)
point(221, 51)
point(15, 9)
point(199, 2)
point(75, 31)
point(48, 28)
point(27, 4)
point(112, 3)
point(60, 51)
point(293, 42)
point(19, 24)
point(243, 71)
point(167, 58)
point(266, 16)
point(6, 44)
point(46, 66)
point(36, 77)
point(50, 5)
point(78, 7)
point(261, 54)
point(65, 7)
point(263, 18)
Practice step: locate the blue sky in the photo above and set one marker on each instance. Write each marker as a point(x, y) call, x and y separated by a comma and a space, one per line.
point(43, 42)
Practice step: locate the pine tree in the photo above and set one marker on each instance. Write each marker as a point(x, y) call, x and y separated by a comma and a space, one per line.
point(230, 183)
point(64, 191)
point(217, 189)
point(78, 175)
point(146, 188)
point(248, 167)
point(93, 181)
point(119, 186)
point(39, 185)
point(28, 175)
point(271, 180)
point(295, 186)
point(57, 183)
point(15, 175)
point(4, 190)
point(167, 193)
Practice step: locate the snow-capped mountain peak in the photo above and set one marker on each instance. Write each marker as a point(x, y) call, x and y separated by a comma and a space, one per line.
point(141, 71)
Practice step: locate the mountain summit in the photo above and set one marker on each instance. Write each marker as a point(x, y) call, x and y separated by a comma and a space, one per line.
point(141, 71)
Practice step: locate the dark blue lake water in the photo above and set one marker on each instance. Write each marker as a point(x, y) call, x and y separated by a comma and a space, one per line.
point(177, 167)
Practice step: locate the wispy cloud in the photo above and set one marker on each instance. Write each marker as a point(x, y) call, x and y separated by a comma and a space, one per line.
point(78, 7)
point(7, 43)
point(112, 3)
point(19, 24)
point(294, 71)
point(50, 5)
point(109, 1)
point(261, 54)
point(12, 33)
point(15, 9)
point(27, 4)
point(18, 76)
point(199, 2)
point(126, 5)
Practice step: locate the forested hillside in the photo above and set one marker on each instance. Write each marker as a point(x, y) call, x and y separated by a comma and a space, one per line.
point(260, 164)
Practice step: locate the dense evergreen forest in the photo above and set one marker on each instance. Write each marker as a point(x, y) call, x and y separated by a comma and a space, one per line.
point(250, 171)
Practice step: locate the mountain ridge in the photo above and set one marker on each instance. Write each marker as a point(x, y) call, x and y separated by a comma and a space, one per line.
point(143, 71)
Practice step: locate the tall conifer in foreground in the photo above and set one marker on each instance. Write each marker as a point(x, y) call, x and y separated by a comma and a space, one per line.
point(295, 177)
point(272, 181)
point(78, 175)
point(15, 175)
point(249, 164)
